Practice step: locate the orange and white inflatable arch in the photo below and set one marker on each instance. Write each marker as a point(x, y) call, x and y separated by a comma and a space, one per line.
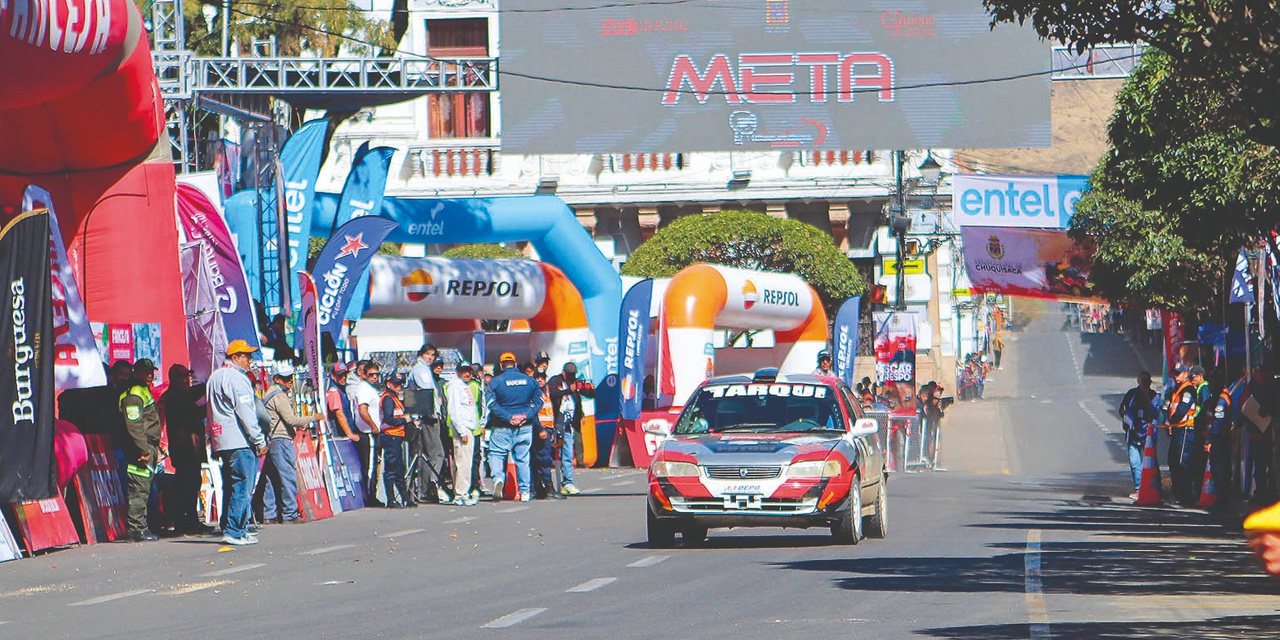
point(703, 297)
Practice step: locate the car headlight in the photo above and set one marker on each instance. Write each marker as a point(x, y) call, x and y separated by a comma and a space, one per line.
point(668, 469)
point(814, 469)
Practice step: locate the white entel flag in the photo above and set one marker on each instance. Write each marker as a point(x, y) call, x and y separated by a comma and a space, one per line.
point(76, 359)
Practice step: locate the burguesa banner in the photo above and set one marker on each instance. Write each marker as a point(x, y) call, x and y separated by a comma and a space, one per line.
point(768, 74)
point(1045, 202)
point(1033, 263)
point(444, 288)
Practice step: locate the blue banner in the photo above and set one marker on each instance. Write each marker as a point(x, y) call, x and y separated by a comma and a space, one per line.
point(844, 334)
point(342, 262)
point(633, 324)
point(362, 196)
point(1241, 282)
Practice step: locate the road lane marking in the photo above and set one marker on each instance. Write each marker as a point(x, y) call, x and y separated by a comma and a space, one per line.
point(109, 598)
point(401, 534)
point(512, 619)
point(623, 483)
point(511, 510)
point(459, 520)
point(227, 572)
point(323, 550)
point(593, 490)
point(183, 590)
point(1037, 613)
point(591, 585)
point(648, 562)
point(26, 591)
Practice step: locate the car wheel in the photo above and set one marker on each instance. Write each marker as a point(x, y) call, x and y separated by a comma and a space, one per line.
point(876, 525)
point(661, 534)
point(848, 528)
point(694, 535)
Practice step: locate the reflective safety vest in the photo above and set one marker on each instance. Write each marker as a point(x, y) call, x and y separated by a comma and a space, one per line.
point(547, 414)
point(1174, 400)
point(397, 413)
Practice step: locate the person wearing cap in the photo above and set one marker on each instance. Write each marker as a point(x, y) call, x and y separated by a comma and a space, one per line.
point(366, 403)
point(142, 420)
point(1181, 411)
point(566, 392)
point(426, 410)
point(391, 437)
point(279, 482)
point(542, 363)
point(337, 405)
point(514, 403)
point(824, 364)
point(184, 422)
point(235, 437)
point(464, 427)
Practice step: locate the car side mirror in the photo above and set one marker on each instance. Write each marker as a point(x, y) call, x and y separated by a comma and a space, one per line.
point(864, 427)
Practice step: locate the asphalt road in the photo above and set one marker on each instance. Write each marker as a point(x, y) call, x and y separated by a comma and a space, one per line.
point(1028, 534)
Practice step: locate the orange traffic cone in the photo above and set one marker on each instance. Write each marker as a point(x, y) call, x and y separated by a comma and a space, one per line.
point(1149, 488)
point(1208, 492)
point(509, 488)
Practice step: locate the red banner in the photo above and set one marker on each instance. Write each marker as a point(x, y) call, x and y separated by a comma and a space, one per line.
point(313, 498)
point(46, 524)
point(102, 505)
point(1174, 334)
point(643, 444)
point(895, 348)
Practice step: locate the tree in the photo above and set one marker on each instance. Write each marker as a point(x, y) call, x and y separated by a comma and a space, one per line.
point(1232, 44)
point(750, 240)
point(482, 251)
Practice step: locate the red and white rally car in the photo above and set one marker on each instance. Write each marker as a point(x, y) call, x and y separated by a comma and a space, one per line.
point(794, 451)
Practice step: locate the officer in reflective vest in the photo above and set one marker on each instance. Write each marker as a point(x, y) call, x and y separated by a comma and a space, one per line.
point(142, 420)
point(1182, 409)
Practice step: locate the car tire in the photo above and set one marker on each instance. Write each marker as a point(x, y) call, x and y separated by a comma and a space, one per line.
point(876, 525)
point(693, 535)
point(661, 534)
point(847, 529)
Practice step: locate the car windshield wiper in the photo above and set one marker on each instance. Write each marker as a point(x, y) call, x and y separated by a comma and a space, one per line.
point(748, 426)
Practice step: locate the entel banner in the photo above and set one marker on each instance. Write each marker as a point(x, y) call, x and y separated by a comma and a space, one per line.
point(767, 74)
point(1015, 201)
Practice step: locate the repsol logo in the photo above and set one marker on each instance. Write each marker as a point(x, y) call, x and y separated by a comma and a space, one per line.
point(483, 288)
point(780, 298)
point(634, 336)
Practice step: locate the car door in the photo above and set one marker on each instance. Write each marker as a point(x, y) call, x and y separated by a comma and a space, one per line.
point(870, 457)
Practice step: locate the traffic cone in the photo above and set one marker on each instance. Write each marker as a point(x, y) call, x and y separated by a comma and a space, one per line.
point(509, 488)
point(1208, 493)
point(1149, 488)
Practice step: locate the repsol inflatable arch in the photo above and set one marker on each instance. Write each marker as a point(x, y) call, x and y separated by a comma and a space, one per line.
point(544, 221)
point(703, 297)
point(451, 295)
point(81, 116)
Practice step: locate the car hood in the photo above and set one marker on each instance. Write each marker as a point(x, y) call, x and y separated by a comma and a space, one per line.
point(750, 448)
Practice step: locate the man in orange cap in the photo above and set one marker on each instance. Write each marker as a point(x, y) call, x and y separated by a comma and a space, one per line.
point(514, 402)
point(236, 438)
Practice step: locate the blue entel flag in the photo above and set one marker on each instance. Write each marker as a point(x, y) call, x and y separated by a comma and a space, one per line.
point(342, 264)
point(1241, 282)
point(844, 337)
point(362, 196)
point(634, 327)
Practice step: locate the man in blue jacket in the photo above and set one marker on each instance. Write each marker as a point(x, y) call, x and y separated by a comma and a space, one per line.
point(513, 408)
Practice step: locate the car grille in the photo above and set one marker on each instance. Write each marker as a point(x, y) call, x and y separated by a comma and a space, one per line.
point(768, 506)
point(724, 472)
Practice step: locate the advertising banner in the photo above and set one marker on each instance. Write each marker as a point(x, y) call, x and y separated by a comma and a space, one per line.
point(206, 333)
point(767, 74)
point(201, 223)
point(644, 434)
point(1045, 202)
point(300, 160)
point(634, 325)
point(448, 288)
point(844, 339)
point(313, 499)
point(1241, 281)
point(348, 473)
point(309, 326)
point(1033, 263)
point(119, 342)
point(8, 546)
point(226, 166)
point(46, 524)
point(895, 346)
point(27, 377)
point(362, 196)
point(76, 363)
point(342, 262)
point(146, 344)
point(102, 504)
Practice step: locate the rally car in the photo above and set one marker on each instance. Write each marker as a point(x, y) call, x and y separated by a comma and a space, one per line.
point(759, 451)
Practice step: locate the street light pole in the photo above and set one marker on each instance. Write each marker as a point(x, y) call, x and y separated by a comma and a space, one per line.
point(899, 226)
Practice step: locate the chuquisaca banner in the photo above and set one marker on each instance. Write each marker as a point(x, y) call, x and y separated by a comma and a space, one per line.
point(362, 196)
point(844, 339)
point(76, 361)
point(27, 379)
point(201, 223)
point(895, 348)
point(1033, 263)
point(340, 265)
point(634, 322)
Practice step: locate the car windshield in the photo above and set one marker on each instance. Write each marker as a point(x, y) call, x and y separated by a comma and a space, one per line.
point(761, 408)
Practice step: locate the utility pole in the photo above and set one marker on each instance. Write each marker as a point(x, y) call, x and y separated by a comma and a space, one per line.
point(900, 223)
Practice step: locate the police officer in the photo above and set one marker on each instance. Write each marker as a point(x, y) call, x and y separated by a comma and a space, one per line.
point(513, 408)
point(142, 420)
point(391, 436)
point(1219, 442)
point(1181, 410)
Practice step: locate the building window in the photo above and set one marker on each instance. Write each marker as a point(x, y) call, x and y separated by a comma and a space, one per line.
point(458, 37)
point(459, 115)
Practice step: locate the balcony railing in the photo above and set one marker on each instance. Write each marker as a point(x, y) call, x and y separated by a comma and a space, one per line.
point(351, 75)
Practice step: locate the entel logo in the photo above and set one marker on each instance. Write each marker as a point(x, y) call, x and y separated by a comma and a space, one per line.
point(749, 295)
point(419, 285)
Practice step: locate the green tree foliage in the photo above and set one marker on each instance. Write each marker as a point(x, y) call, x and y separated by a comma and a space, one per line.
point(301, 27)
point(1181, 189)
point(482, 251)
point(750, 240)
point(1234, 45)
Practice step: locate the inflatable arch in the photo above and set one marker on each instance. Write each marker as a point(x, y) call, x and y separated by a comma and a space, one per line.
point(452, 295)
point(81, 116)
point(703, 297)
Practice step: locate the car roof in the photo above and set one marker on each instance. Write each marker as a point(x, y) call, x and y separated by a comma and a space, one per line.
point(789, 378)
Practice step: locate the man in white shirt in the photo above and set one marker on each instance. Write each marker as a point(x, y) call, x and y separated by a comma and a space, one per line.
point(367, 405)
point(464, 425)
point(421, 378)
